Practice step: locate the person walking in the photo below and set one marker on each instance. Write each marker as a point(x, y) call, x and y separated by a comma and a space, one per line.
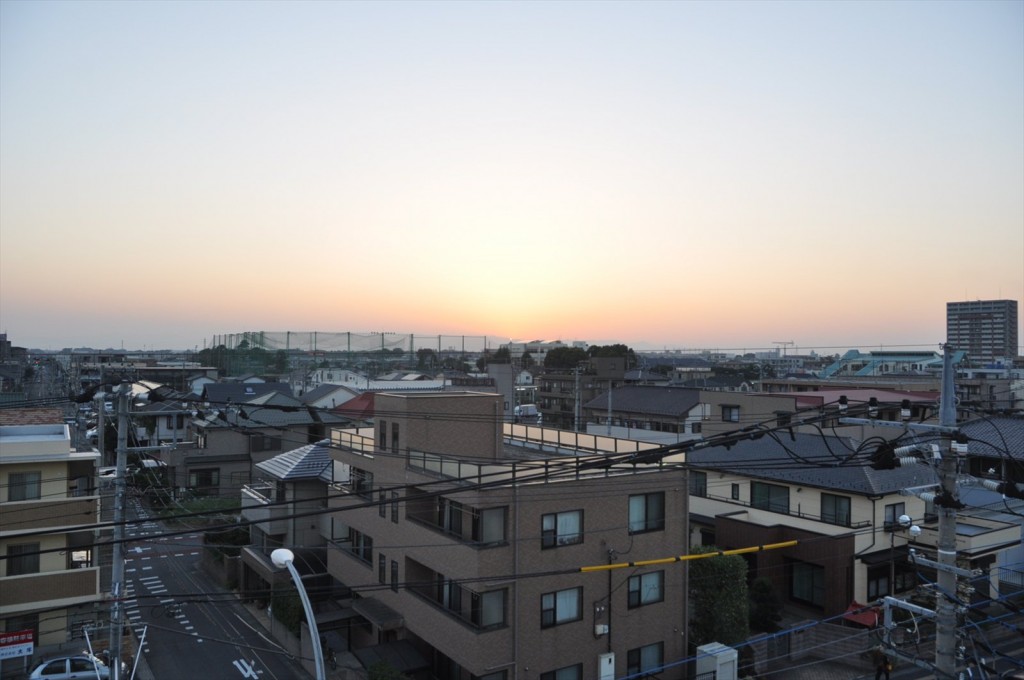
point(883, 665)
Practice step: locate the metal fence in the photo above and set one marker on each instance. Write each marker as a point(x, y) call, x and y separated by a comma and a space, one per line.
point(320, 341)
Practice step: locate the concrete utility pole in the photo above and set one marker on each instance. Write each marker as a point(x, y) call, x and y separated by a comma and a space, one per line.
point(946, 503)
point(945, 603)
point(117, 569)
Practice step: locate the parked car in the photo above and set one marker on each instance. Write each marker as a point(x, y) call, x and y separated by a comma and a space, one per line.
point(82, 666)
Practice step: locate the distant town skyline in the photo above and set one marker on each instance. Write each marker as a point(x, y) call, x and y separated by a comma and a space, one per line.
point(661, 174)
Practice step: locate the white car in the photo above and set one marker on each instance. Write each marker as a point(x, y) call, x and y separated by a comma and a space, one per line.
point(82, 666)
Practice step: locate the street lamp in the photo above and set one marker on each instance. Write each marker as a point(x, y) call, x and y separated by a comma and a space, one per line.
point(904, 522)
point(285, 558)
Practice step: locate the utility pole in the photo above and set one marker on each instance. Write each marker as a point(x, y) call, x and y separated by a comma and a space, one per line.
point(946, 503)
point(945, 603)
point(117, 569)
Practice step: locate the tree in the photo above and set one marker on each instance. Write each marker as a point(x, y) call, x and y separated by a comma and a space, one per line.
point(718, 592)
point(382, 670)
point(426, 358)
point(617, 350)
point(526, 361)
point(286, 606)
point(281, 361)
point(564, 358)
point(765, 606)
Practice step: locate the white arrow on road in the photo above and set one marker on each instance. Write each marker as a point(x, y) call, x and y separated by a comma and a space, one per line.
point(245, 669)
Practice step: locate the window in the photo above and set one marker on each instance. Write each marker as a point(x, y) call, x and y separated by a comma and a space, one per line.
point(449, 594)
point(394, 575)
point(695, 428)
point(698, 483)
point(769, 497)
point(892, 515)
point(730, 414)
point(382, 436)
point(260, 442)
point(22, 558)
point(381, 568)
point(80, 665)
point(489, 526)
point(205, 479)
point(382, 503)
point(783, 418)
point(560, 607)
point(488, 609)
point(361, 482)
point(56, 667)
point(567, 673)
point(735, 492)
point(360, 545)
point(835, 509)
point(561, 528)
point(647, 512)
point(24, 486)
point(499, 675)
point(646, 588)
point(394, 507)
point(449, 516)
point(394, 437)
point(807, 583)
point(645, 660)
point(878, 581)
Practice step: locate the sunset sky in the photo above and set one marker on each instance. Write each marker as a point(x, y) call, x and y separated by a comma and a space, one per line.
point(664, 174)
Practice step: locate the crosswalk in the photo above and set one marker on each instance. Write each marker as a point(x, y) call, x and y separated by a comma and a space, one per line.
point(143, 584)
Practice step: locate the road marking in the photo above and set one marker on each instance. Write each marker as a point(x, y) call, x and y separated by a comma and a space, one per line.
point(245, 669)
point(146, 568)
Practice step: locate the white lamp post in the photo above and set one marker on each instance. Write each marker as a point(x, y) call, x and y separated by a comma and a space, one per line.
point(285, 558)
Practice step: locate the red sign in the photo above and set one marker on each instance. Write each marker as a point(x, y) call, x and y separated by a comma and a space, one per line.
point(16, 643)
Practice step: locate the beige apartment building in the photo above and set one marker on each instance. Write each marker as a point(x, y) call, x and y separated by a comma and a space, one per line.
point(465, 556)
point(49, 506)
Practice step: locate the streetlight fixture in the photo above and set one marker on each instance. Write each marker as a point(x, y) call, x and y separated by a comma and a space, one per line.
point(904, 522)
point(285, 559)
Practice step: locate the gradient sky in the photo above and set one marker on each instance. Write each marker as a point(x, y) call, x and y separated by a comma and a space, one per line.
point(665, 174)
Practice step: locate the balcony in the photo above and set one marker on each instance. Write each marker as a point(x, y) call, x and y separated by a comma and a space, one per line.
point(975, 536)
point(257, 506)
point(48, 589)
point(21, 516)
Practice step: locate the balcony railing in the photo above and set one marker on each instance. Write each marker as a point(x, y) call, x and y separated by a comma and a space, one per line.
point(51, 587)
point(790, 512)
point(50, 514)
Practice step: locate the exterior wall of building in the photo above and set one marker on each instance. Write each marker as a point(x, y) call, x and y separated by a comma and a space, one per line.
point(40, 581)
point(410, 536)
point(750, 409)
point(727, 501)
point(455, 423)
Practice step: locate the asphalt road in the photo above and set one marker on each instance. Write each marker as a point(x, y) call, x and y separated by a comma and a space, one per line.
point(193, 628)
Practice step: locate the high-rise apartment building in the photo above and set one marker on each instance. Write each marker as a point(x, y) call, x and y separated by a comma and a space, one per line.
point(985, 329)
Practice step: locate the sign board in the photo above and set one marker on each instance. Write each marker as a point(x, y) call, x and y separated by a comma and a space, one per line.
point(17, 643)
